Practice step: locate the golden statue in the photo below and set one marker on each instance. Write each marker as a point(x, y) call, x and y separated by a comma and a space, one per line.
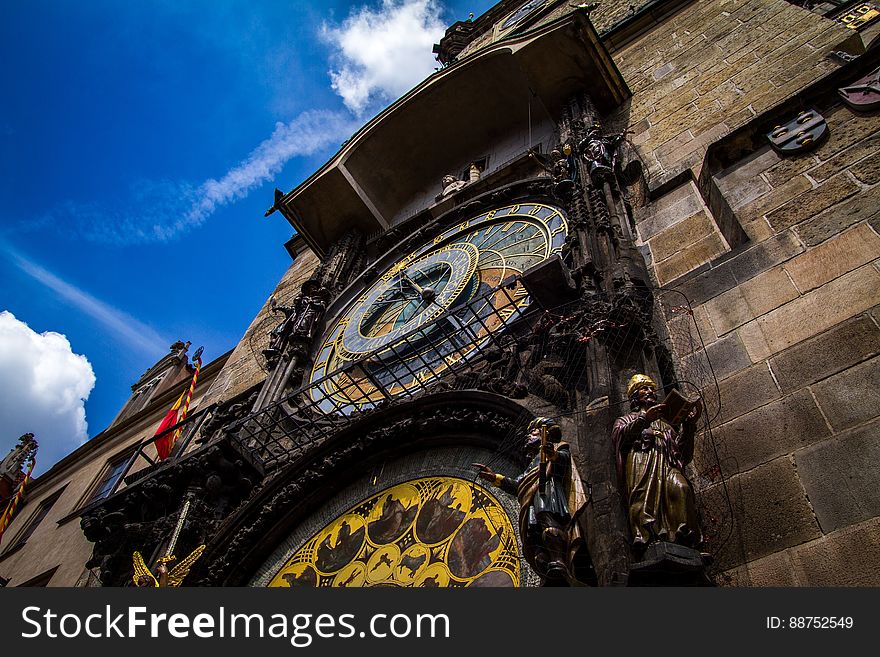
point(143, 578)
point(653, 444)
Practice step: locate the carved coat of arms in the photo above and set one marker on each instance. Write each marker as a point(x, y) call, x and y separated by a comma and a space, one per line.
point(864, 94)
point(806, 131)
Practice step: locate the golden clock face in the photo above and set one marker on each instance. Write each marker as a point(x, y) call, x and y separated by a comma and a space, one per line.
point(430, 532)
point(434, 308)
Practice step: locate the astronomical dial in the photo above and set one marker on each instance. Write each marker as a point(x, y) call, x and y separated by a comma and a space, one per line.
point(434, 308)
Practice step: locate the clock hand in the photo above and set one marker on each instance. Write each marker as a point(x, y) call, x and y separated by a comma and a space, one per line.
point(428, 294)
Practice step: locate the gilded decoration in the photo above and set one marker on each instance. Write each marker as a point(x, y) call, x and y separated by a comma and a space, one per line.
point(430, 532)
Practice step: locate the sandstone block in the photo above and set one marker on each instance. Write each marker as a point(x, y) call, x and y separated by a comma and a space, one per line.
point(841, 475)
point(690, 258)
point(790, 167)
point(681, 235)
point(864, 206)
point(682, 202)
point(740, 184)
point(758, 230)
point(755, 297)
point(812, 313)
point(846, 558)
point(707, 285)
point(763, 256)
point(868, 170)
point(777, 428)
point(773, 199)
point(775, 570)
point(771, 513)
point(852, 396)
point(812, 202)
point(824, 355)
point(859, 151)
point(727, 355)
point(747, 390)
point(834, 258)
point(847, 129)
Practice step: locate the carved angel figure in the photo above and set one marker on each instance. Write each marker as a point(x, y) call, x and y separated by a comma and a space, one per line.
point(143, 578)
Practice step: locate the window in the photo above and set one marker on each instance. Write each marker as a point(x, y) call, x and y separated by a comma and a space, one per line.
point(34, 521)
point(109, 478)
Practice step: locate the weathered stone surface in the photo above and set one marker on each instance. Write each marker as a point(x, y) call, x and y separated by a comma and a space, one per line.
point(851, 129)
point(704, 286)
point(763, 256)
point(682, 202)
point(758, 230)
point(852, 396)
point(690, 333)
point(834, 258)
point(747, 390)
point(681, 235)
point(868, 170)
point(671, 146)
point(771, 513)
point(690, 258)
point(812, 202)
point(773, 199)
point(846, 558)
point(864, 206)
point(789, 167)
point(741, 184)
point(812, 313)
point(727, 355)
point(840, 476)
point(693, 152)
point(861, 149)
point(837, 349)
point(775, 570)
point(778, 428)
point(755, 297)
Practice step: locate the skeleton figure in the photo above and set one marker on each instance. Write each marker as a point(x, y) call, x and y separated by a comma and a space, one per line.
point(600, 152)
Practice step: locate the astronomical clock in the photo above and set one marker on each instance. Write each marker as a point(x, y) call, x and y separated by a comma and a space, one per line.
point(434, 307)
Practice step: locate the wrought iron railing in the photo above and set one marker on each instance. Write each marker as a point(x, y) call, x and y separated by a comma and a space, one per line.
point(435, 353)
point(145, 459)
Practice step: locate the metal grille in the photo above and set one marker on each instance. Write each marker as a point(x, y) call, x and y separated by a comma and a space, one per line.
point(455, 342)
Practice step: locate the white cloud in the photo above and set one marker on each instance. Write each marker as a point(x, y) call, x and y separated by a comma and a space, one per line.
point(124, 327)
point(305, 135)
point(43, 388)
point(383, 53)
point(162, 210)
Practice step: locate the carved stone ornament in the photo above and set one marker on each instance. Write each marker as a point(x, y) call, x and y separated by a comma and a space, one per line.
point(14, 463)
point(864, 94)
point(803, 133)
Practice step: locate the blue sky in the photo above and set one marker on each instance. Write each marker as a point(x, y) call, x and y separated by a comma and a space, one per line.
point(139, 146)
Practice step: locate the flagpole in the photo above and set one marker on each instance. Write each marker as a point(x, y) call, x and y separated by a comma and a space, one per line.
point(165, 445)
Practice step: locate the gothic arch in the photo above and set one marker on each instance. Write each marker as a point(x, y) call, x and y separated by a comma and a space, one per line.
point(445, 419)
